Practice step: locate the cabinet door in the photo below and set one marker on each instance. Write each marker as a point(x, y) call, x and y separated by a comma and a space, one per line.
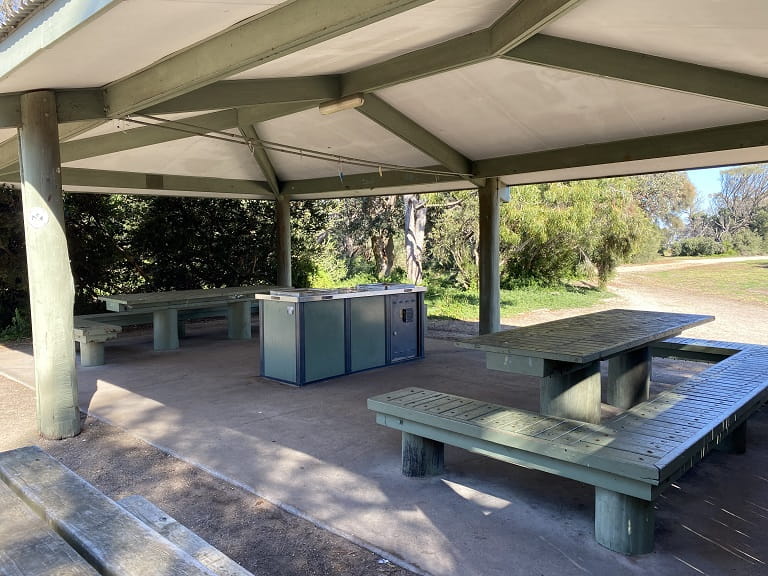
point(323, 339)
point(367, 333)
point(279, 333)
point(404, 326)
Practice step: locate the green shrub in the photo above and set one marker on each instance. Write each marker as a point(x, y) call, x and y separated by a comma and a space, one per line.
point(18, 329)
point(697, 246)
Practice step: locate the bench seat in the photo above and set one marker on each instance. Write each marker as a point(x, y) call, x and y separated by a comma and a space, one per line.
point(629, 459)
point(106, 535)
point(91, 335)
point(680, 348)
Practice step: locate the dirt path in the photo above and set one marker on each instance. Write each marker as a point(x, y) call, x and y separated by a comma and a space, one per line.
point(734, 320)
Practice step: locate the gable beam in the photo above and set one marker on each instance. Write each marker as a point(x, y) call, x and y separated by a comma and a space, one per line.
point(71, 106)
point(638, 68)
point(522, 21)
point(265, 37)
point(718, 139)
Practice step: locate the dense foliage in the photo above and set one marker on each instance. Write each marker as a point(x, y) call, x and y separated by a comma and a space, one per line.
point(550, 234)
point(135, 244)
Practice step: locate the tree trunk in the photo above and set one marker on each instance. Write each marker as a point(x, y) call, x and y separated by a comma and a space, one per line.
point(415, 224)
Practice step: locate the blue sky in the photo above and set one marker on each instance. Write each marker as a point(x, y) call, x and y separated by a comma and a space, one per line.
point(706, 181)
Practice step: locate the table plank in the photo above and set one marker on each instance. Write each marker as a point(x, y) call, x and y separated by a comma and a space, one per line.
point(589, 337)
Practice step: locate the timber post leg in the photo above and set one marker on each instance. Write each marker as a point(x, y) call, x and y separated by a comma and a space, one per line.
point(91, 353)
point(623, 523)
point(573, 393)
point(629, 378)
point(735, 442)
point(166, 329)
point(239, 320)
point(422, 456)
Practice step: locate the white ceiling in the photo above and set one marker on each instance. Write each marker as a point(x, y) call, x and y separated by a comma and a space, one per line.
point(459, 105)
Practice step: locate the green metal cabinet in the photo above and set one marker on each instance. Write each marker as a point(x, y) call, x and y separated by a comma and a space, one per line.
point(310, 335)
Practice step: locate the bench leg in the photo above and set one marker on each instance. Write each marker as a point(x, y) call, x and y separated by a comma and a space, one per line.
point(573, 394)
point(735, 442)
point(91, 353)
point(422, 456)
point(629, 378)
point(239, 320)
point(623, 523)
point(166, 329)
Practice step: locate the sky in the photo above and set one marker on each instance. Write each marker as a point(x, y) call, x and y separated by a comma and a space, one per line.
point(706, 181)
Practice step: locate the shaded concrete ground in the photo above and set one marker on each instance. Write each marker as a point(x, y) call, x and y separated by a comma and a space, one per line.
point(317, 451)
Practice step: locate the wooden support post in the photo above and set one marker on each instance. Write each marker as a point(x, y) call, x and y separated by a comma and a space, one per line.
point(623, 523)
point(51, 287)
point(629, 378)
point(239, 320)
point(735, 442)
point(91, 353)
point(165, 324)
point(490, 313)
point(283, 214)
point(572, 393)
point(422, 456)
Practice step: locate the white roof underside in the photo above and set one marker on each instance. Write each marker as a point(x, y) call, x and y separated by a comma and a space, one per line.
point(459, 89)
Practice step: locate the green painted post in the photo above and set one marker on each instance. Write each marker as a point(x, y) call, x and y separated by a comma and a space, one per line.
point(239, 320)
point(165, 324)
point(623, 523)
point(572, 393)
point(283, 214)
point(422, 456)
point(490, 313)
point(629, 378)
point(51, 287)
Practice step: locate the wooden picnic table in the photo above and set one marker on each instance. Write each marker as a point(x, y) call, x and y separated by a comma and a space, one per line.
point(566, 354)
point(165, 306)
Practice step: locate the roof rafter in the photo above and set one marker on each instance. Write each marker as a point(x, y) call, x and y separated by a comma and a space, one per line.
point(261, 157)
point(193, 185)
point(236, 93)
point(641, 68)
point(406, 129)
point(521, 22)
point(719, 138)
point(371, 183)
point(265, 37)
point(9, 150)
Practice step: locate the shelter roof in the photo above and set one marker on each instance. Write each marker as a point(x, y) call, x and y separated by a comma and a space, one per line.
point(222, 97)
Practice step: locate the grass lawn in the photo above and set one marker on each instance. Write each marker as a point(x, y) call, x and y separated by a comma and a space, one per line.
point(742, 281)
point(462, 305)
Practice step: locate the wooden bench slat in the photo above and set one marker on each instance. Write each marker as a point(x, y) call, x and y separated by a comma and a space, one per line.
point(109, 537)
point(175, 532)
point(28, 547)
point(628, 462)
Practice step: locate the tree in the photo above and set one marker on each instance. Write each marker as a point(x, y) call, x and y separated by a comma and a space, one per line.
point(415, 229)
point(13, 260)
point(666, 198)
point(453, 232)
point(743, 192)
point(553, 232)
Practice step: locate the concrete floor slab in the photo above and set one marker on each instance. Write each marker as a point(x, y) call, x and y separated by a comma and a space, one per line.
point(317, 450)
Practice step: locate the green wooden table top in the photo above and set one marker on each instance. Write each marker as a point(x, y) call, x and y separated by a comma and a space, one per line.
point(584, 339)
point(172, 297)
